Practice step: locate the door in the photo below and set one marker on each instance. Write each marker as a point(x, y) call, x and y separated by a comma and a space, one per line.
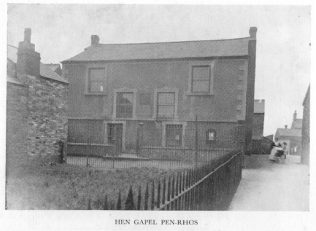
point(115, 135)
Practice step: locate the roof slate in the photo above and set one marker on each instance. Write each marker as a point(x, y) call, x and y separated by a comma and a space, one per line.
point(164, 50)
point(289, 132)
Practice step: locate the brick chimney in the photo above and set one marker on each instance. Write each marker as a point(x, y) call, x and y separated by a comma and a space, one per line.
point(95, 40)
point(28, 60)
point(253, 32)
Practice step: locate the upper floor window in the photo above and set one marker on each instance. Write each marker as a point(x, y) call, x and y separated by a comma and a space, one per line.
point(96, 80)
point(124, 104)
point(166, 105)
point(201, 79)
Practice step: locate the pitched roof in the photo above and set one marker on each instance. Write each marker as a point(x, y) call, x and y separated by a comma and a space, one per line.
point(53, 66)
point(164, 50)
point(259, 106)
point(288, 132)
point(45, 71)
point(307, 96)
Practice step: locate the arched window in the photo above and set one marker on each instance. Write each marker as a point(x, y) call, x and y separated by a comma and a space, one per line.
point(210, 136)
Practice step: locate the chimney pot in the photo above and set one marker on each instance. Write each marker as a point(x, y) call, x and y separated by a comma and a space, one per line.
point(285, 126)
point(27, 35)
point(253, 32)
point(94, 40)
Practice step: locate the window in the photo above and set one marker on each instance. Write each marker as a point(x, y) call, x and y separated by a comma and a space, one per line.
point(96, 80)
point(210, 135)
point(166, 105)
point(173, 135)
point(201, 79)
point(124, 104)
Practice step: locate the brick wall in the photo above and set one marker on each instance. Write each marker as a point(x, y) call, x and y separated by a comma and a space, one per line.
point(257, 126)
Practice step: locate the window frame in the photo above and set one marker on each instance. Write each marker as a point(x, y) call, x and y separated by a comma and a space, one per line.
point(164, 133)
point(210, 91)
point(200, 80)
point(166, 90)
point(173, 105)
point(124, 90)
point(176, 126)
point(88, 82)
point(124, 105)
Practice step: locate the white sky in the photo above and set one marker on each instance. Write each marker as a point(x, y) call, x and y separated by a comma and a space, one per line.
point(283, 39)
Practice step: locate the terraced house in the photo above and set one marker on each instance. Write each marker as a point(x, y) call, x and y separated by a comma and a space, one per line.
point(160, 89)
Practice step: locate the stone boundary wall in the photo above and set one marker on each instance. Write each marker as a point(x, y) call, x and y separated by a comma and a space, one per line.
point(44, 117)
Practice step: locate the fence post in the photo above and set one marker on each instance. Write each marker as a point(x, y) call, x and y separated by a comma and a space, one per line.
point(105, 205)
point(152, 196)
point(118, 205)
point(129, 203)
point(139, 197)
point(196, 142)
point(146, 198)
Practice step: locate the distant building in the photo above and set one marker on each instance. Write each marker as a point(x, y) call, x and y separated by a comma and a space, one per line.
point(258, 119)
point(36, 103)
point(305, 128)
point(292, 136)
point(259, 144)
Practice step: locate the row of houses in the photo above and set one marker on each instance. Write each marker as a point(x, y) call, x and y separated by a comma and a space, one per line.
point(106, 93)
point(297, 137)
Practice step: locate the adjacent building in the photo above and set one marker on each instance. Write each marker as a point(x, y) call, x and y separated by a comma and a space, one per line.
point(115, 90)
point(305, 128)
point(258, 119)
point(36, 103)
point(291, 136)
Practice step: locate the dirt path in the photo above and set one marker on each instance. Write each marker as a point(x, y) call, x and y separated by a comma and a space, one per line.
point(270, 186)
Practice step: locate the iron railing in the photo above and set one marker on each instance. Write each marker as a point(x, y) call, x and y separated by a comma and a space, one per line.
point(208, 187)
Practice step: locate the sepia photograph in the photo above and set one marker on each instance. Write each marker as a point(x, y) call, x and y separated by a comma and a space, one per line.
point(157, 107)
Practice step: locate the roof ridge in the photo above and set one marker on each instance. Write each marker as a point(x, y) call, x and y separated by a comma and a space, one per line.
point(183, 41)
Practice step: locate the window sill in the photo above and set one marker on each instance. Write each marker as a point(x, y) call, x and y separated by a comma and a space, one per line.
point(95, 94)
point(199, 94)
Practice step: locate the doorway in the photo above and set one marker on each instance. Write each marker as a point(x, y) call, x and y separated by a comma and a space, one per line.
point(115, 135)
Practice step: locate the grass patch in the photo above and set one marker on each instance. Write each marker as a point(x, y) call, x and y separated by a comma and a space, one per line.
point(61, 186)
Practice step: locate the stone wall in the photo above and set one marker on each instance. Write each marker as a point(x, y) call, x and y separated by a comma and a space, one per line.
point(16, 124)
point(46, 120)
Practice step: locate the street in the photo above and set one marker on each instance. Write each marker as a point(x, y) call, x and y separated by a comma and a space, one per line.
point(267, 186)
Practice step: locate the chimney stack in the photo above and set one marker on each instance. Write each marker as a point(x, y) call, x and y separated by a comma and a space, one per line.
point(95, 40)
point(285, 126)
point(294, 115)
point(28, 61)
point(27, 35)
point(253, 32)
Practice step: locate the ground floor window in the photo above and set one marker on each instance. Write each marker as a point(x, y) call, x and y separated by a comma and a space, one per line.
point(174, 135)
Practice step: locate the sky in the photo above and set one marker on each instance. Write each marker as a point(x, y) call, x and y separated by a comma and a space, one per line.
point(283, 39)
